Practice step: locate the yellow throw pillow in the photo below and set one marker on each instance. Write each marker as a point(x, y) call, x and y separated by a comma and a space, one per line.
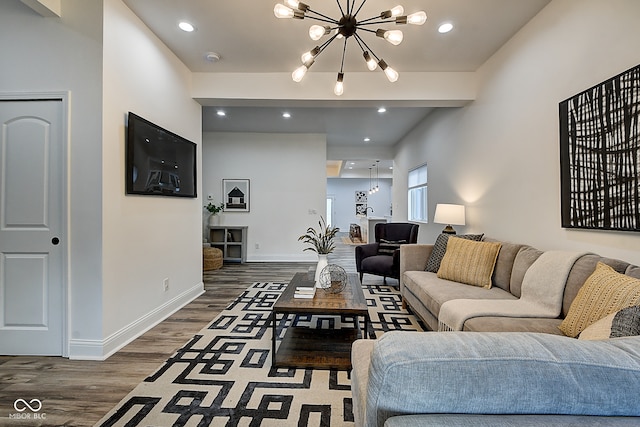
point(469, 262)
point(604, 292)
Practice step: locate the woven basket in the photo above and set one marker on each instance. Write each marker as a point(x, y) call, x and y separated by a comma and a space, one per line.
point(212, 259)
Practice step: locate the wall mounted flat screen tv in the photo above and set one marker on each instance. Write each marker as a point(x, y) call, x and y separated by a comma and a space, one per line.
point(159, 162)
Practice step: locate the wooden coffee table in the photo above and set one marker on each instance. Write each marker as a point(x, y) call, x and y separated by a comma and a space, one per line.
point(319, 348)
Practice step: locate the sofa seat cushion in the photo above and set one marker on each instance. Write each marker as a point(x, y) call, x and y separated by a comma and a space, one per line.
point(501, 373)
point(513, 324)
point(433, 291)
point(476, 420)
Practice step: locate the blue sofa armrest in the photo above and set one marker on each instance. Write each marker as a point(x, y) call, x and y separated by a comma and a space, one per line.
point(496, 373)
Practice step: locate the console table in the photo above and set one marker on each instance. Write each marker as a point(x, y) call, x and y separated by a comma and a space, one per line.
point(231, 240)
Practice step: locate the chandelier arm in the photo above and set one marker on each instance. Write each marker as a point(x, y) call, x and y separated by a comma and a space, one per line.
point(372, 21)
point(344, 51)
point(360, 40)
point(322, 18)
point(340, 7)
point(358, 11)
point(325, 44)
point(366, 29)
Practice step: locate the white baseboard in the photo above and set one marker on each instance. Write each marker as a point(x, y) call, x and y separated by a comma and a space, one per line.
point(280, 258)
point(101, 349)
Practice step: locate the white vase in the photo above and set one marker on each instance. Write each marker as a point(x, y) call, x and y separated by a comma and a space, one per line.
point(322, 263)
point(214, 220)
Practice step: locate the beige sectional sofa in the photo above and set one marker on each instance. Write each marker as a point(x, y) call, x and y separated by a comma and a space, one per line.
point(510, 370)
point(425, 293)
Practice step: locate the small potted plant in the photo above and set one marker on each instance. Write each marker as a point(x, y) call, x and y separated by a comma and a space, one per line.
point(214, 210)
point(321, 242)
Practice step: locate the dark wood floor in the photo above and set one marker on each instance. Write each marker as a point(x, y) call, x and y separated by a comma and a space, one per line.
point(79, 393)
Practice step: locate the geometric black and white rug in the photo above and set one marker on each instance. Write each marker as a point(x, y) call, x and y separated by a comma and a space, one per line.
point(223, 375)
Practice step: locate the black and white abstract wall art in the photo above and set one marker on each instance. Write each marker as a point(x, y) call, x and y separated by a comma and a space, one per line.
point(600, 155)
point(361, 202)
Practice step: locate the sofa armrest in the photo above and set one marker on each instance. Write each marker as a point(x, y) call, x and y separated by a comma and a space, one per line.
point(413, 257)
point(499, 373)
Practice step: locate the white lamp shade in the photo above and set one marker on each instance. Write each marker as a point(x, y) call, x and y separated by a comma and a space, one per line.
point(449, 214)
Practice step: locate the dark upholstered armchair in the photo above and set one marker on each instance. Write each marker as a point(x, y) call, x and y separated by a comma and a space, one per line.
point(382, 258)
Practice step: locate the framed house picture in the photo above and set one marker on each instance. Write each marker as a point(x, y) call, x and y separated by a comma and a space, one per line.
point(600, 155)
point(236, 195)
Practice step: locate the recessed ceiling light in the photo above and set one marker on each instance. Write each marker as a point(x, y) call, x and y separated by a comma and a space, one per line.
point(445, 27)
point(212, 56)
point(286, 115)
point(186, 26)
point(221, 113)
point(367, 139)
point(382, 110)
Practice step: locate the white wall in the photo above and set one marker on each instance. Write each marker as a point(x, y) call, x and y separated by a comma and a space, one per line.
point(145, 238)
point(500, 155)
point(287, 174)
point(343, 190)
point(52, 55)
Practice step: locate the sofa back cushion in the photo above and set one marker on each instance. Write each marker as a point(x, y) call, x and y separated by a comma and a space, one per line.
point(504, 263)
point(526, 256)
point(633, 271)
point(582, 269)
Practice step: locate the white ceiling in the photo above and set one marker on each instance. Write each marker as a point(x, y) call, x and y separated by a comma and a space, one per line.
point(250, 39)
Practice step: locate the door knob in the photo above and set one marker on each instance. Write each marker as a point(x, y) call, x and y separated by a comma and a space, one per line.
point(55, 240)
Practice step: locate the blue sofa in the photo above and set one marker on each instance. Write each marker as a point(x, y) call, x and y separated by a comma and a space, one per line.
point(495, 379)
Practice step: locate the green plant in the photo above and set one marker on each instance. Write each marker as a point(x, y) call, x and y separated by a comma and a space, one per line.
point(321, 240)
point(214, 209)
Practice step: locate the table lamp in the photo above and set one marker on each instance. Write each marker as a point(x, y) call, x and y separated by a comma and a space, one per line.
point(449, 215)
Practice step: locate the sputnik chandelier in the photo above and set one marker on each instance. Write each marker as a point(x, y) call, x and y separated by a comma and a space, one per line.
point(344, 28)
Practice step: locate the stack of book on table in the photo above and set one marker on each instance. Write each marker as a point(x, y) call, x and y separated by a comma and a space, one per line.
point(305, 292)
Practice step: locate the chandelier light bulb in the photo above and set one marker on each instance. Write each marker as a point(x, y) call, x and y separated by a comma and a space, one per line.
point(392, 13)
point(392, 36)
point(283, 12)
point(391, 74)
point(418, 18)
point(295, 4)
point(371, 63)
point(299, 72)
point(339, 87)
point(316, 32)
point(308, 56)
point(397, 11)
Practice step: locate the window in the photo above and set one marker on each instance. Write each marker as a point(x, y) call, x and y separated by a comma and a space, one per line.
point(418, 194)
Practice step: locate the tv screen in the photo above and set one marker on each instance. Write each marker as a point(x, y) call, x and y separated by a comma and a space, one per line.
point(159, 162)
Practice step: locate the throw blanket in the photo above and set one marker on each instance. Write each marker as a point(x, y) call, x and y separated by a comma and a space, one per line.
point(542, 292)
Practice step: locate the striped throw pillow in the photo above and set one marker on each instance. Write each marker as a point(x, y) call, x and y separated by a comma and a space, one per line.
point(388, 247)
point(604, 292)
point(469, 262)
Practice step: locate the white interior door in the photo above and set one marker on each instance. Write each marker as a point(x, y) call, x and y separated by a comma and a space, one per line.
point(32, 168)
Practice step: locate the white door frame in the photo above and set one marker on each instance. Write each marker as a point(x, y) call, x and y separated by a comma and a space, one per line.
point(64, 98)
